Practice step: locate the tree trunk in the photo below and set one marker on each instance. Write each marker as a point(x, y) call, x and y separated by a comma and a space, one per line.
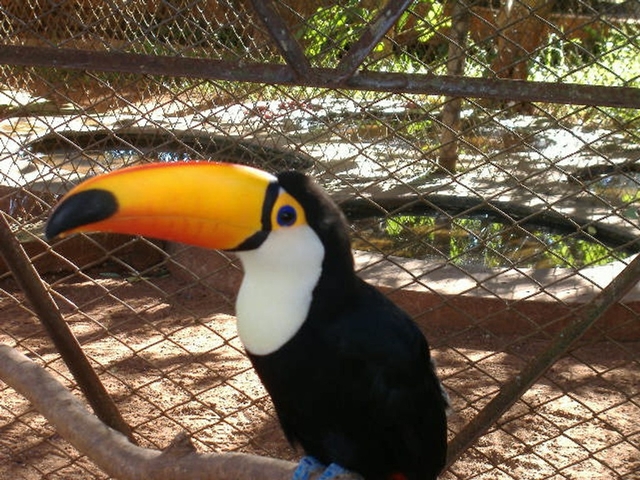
point(455, 67)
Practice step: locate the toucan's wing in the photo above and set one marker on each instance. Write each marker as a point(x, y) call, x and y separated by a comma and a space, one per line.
point(398, 381)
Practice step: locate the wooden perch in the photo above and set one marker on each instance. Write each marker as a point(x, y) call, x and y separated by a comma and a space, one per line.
point(113, 452)
point(59, 332)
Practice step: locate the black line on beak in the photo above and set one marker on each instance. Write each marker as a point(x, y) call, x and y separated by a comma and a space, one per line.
point(255, 240)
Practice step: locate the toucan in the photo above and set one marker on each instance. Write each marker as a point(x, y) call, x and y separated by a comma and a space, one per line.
point(349, 372)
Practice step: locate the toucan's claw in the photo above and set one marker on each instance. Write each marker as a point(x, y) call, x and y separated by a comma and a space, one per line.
point(333, 471)
point(309, 465)
point(306, 467)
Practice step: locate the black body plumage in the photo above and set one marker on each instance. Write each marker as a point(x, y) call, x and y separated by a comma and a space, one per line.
point(355, 385)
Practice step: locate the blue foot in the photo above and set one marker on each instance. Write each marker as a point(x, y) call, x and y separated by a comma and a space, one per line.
point(306, 467)
point(332, 471)
point(309, 465)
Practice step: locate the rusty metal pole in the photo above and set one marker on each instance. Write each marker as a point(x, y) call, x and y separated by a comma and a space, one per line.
point(174, 66)
point(512, 391)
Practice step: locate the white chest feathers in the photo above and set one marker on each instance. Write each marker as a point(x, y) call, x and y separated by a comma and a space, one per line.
point(275, 295)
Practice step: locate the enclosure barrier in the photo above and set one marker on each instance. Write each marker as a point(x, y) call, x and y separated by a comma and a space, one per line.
point(485, 156)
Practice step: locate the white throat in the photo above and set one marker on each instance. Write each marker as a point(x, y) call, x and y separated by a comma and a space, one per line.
point(275, 295)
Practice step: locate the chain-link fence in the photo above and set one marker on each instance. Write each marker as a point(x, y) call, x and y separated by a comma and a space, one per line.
point(486, 155)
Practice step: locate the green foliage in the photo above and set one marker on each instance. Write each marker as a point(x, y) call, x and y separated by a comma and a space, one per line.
point(328, 34)
point(433, 20)
point(482, 240)
point(417, 129)
point(610, 59)
point(330, 31)
point(621, 191)
point(428, 51)
point(395, 226)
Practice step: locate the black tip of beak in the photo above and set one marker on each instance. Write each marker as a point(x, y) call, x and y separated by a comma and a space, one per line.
point(81, 209)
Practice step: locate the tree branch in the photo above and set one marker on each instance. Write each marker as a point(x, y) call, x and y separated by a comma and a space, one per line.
point(112, 452)
point(59, 332)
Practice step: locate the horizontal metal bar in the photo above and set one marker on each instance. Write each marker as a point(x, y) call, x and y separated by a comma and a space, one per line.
point(499, 89)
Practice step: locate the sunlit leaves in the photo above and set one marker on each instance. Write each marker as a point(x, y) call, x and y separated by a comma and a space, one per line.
point(481, 240)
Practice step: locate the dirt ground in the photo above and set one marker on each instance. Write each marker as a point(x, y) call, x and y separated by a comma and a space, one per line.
point(168, 353)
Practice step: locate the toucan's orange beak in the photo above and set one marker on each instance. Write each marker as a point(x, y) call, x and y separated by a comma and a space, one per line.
point(213, 205)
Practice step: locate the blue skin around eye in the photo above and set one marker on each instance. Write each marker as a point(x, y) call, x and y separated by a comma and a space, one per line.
point(286, 216)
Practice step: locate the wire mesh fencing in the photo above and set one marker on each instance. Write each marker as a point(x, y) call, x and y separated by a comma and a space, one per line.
point(490, 209)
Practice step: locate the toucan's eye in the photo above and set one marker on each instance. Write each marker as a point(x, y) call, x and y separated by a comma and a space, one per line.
point(287, 216)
